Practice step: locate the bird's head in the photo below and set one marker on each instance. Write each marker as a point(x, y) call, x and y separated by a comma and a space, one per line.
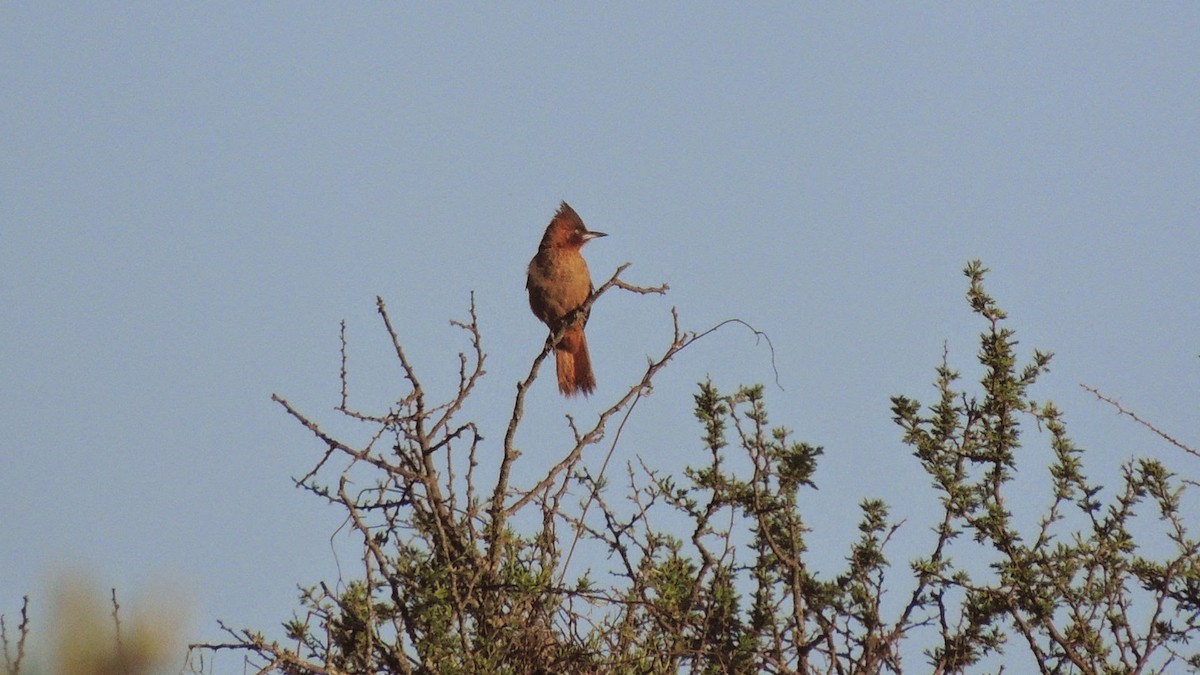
point(566, 230)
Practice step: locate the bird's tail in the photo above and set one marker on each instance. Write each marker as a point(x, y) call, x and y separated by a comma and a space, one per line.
point(573, 363)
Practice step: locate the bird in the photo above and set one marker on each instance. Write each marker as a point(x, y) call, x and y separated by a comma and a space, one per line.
point(558, 283)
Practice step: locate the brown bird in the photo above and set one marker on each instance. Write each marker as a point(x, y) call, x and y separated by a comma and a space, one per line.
point(558, 283)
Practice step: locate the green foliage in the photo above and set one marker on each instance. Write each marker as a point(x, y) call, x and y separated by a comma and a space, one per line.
point(1070, 597)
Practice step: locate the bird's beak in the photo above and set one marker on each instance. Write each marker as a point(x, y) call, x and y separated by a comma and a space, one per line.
point(593, 235)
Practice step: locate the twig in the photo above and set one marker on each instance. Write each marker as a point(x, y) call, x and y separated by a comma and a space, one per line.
point(116, 617)
point(757, 333)
point(345, 382)
point(14, 665)
point(1122, 410)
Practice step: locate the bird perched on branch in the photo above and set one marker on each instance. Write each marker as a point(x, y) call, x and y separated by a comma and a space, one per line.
point(558, 283)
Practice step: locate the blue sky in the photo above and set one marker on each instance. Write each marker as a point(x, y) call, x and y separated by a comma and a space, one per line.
point(192, 196)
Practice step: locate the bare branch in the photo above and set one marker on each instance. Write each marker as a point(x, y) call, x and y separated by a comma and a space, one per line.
point(1120, 409)
point(13, 664)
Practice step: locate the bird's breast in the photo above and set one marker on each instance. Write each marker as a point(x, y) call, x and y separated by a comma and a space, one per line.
point(558, 283)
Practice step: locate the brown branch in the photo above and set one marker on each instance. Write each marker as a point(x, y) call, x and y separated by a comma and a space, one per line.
point(466, 380)
point(14, 665)
point(332, 443)
point(1120, 409)
point(417, 397)
point(277, 656)
point(342, 373)
point(116, 617)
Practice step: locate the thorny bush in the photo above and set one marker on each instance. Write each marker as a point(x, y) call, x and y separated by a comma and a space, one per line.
point(452, 581)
